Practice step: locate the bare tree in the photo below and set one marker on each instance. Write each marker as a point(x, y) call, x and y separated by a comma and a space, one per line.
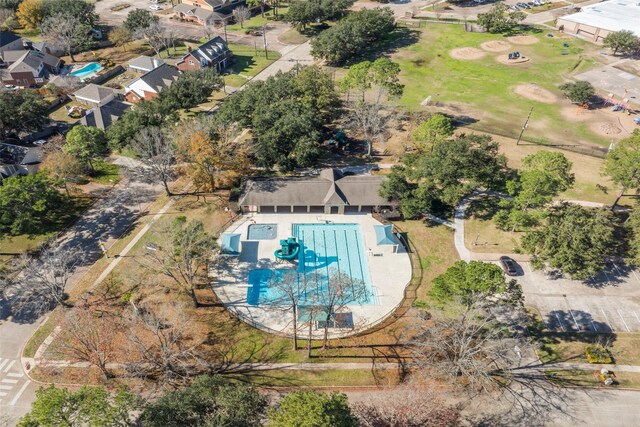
point(161, 346)
point(89, 337)
point(64, 30)
point(170, 37)
point(334, 293)
point(370, 119)
point(185, 257)
point(41, 284)
point(155, 34)
point(406, 406)
point(157, 153)
point(292, 289)
point(241, 15)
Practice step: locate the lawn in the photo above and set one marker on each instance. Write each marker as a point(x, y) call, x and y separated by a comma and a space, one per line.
point(256, 22)
point(624, 347)
point(482, 90)
point(591, 379)
point(105, 173)
point(248, 61)
point(60, 113)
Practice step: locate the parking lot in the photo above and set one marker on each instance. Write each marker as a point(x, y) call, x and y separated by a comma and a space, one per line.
point(607, 303)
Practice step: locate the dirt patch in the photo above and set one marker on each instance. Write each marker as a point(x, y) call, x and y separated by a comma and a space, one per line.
point(504, 59)
point(576, 113)
point(523, 39)
point(535, 93)
point(605, 128)
point(496, 46)
point(467, 53)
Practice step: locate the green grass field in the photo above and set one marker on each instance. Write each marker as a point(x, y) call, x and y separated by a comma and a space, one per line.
point(483, 88)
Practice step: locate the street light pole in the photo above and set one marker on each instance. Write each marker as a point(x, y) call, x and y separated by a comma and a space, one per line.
point(526, 123)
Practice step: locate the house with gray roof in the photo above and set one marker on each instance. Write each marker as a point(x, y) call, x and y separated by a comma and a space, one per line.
point(30, 67)
point(104, 115)
point(9, 41)
point(144, 63)
point(149, 85)
point(206, 12)
point(94, 95)
point(212, 54)
point(329, 192)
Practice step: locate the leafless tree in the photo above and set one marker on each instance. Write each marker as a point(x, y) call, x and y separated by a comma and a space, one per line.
point(65, 30)
point(482, 355)
point(334, 293)
point(161, 346)
point(241, 15)
point(41, 284)
point(67, 84)
point(185, 256)
point(292, 290)
point(157, 153)
point(170, 37)
point(370, 119)
point(89, 337)
point(406, 406)
point(155, 34)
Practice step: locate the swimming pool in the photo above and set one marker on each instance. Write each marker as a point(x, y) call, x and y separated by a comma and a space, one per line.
point(326, 251)
point(262, 231)
point(88, 70)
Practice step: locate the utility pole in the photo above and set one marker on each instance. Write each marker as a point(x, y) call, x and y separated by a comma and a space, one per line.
point(264, 40)
point(526, 123)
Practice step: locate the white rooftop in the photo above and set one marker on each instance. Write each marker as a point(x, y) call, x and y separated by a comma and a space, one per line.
point(612, 15)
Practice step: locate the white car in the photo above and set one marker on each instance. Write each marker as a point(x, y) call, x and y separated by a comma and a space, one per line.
point(155, 7)
point(40, 142)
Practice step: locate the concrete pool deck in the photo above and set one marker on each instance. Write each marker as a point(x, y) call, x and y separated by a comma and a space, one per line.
point(390, 272)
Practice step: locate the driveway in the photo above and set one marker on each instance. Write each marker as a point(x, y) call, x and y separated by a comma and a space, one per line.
point(609, 302)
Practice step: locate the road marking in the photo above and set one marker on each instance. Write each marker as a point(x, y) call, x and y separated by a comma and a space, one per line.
point(574, 320)
point(637, 318)
point(9, 366)
point(8, 381)
point(6, 387)
point(3, 363)
point(15, 399)
point(560, 322)
point(623, 321)
point(2, 393)
point(607, 319)
point(607, 276)
point(15, 375)
point(633, 270)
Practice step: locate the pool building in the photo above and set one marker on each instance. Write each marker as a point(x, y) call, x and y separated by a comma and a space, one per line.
point(330, 218)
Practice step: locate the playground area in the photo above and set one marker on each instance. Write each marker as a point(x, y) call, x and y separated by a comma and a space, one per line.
point(313, 247)
point(470, 76)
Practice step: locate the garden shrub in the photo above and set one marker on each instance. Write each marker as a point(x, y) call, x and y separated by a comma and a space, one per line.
point(596, 353)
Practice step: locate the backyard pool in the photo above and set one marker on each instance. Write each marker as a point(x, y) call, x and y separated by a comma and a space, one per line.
point(328, 252)
point(88, 70)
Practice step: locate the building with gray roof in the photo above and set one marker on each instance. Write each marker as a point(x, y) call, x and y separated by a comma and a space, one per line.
point(329, 192)
point(144, 63)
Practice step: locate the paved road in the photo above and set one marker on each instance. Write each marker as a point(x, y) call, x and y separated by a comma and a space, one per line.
point(105, 221)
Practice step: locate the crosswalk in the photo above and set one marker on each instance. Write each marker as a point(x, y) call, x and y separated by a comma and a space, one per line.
point(13, 382)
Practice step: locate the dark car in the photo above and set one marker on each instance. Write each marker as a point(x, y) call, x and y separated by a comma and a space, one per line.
point(508, 265)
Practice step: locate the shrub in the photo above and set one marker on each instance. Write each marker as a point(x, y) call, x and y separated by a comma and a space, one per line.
point(596, 353)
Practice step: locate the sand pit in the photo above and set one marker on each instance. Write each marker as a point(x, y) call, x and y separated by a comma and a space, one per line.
point(467, 53)
point(523, 39)
point(606, 128)
point(535, 93)
point(504, 59)
point(496, 46)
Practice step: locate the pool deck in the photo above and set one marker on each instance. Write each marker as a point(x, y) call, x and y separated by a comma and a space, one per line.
point(390, 272)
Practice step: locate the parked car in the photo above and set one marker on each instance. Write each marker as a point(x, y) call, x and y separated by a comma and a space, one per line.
point(508, 265)
point(40, 142)
point(155, 7)
point(11, 87)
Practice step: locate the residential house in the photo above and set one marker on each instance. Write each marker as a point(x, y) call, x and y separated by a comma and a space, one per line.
point(94, 95)
point(331, 192)
point(206, 12)
point(29, 67)
point(213, 54)
point(9, 41)
point(149, 85)
point(46, 47)
point(102, 116)
point(144, 64)
point(19, 158)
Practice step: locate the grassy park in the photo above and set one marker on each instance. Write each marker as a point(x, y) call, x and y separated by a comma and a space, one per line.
point(477, 84)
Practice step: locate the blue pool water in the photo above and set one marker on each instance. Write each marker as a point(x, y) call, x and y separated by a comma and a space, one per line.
point(88, 70)
point(262, 231)
point(327, 249)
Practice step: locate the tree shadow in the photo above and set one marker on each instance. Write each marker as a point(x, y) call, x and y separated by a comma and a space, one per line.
point(576, 321)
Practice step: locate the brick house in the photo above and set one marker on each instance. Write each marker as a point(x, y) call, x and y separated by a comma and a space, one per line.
point(213, 54)
point(149, 85)
point(29, 67)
